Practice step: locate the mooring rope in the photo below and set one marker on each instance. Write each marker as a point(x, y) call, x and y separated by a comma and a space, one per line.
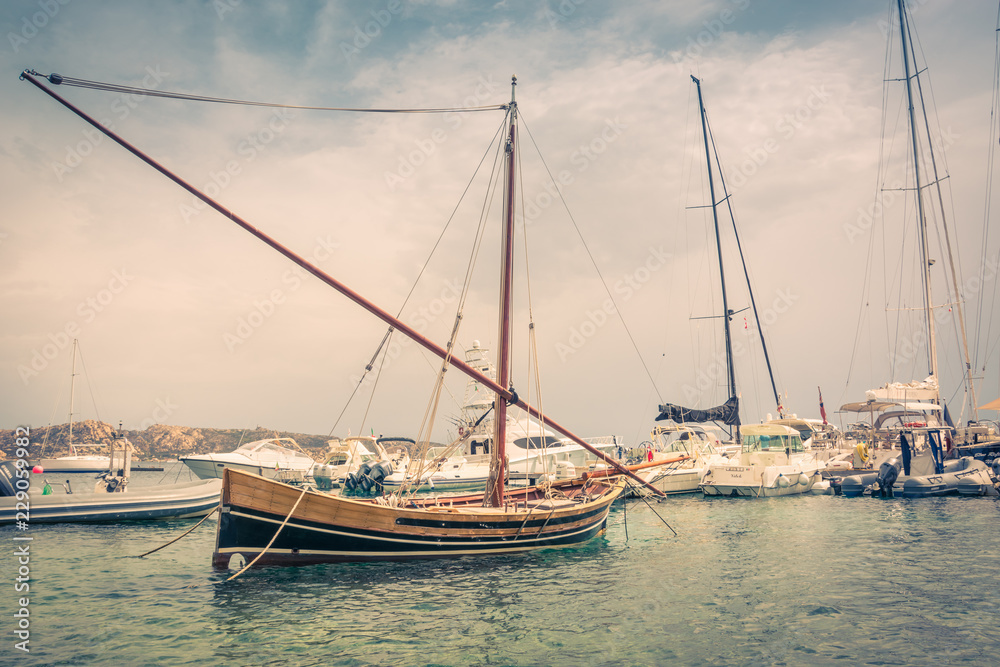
point(276, 533)
point(643, 499)
point(205, 518)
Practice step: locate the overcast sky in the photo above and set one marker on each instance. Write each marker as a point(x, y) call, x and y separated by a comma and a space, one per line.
point(185, 319)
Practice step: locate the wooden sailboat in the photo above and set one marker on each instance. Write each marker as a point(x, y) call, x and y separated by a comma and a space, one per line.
point(267, 522)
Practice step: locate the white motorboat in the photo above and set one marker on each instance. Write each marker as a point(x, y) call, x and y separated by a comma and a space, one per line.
point(772, 462)
point(346, 456)
point(670, 441)
point(272, 458)
point(440, 472)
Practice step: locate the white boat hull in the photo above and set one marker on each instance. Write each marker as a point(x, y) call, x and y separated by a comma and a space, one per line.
point(211, 468)
point(172, 501)
point(759, 482)
point(74, 464)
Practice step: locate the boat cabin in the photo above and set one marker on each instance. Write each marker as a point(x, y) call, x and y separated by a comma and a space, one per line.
point(771, 438)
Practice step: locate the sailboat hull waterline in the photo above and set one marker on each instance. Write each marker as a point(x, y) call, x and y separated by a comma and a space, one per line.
point(333, 529)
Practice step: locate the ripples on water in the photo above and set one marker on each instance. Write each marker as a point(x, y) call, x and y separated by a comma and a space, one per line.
point(816, 580)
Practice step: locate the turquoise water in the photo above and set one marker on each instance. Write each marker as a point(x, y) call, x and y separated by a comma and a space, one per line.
point(806, 580)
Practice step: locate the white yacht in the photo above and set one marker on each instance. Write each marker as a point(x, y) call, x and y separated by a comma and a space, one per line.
point(773, 461)
point(272, 458)
point(672, 441)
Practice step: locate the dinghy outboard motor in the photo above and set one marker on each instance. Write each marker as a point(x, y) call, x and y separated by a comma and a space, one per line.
point(888, 473)
point(8, 474)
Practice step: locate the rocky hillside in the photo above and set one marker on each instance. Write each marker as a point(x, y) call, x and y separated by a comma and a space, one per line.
point(156, 442)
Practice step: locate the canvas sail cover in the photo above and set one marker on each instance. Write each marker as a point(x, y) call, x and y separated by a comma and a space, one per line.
point(727, 413)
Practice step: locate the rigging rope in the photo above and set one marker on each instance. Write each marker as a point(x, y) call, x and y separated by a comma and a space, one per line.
point(591, 256)
point(423, 268)
point(89, 387)
point(415, 480)
point(58, 79)
point(992, 141)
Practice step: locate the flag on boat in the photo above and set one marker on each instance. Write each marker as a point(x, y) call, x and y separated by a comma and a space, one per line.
point(822, 410)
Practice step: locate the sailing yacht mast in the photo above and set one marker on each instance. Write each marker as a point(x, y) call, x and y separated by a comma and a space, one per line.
point(969, 380)
point(921, 214)
point(718, 242)
point(495, 492)
point(72, 386)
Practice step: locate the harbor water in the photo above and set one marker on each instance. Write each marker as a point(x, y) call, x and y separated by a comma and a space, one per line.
point(800, 580)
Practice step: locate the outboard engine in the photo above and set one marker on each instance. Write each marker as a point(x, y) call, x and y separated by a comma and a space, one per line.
point(323, 476)
point(378, 473)
point(888, 473)
point(364, 477)
point(355, 481)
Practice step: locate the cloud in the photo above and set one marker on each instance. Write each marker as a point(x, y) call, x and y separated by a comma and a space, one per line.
point(605, 92)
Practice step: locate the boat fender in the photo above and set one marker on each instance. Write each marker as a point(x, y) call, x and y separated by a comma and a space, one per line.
point(782, 481)
point(803, 479)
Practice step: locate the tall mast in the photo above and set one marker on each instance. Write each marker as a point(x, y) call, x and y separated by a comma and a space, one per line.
point(921, 214)
point(969, 380)
point(495, 494)
point(72, 386)
point(718, 243)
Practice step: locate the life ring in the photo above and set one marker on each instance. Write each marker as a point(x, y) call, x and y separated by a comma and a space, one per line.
point(915, 424)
